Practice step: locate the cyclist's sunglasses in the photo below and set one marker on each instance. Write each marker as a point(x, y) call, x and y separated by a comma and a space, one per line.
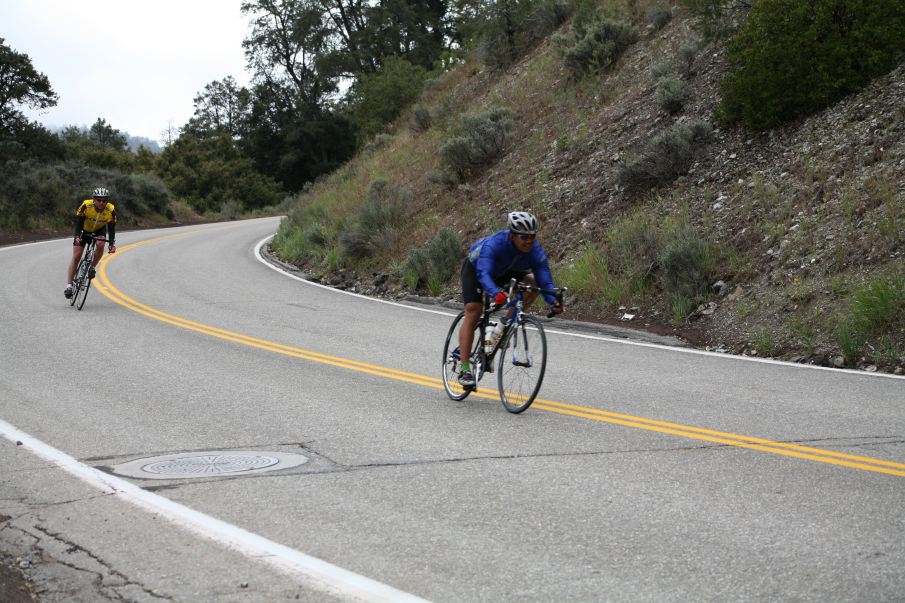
point(526, 237)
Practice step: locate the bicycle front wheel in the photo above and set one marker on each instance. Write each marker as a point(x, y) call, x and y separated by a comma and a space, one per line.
point(84, 283)
point(523, 359)
point(452, 361)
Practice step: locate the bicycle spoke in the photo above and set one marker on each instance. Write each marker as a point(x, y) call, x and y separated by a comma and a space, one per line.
point(452, 362)
point(522, 363)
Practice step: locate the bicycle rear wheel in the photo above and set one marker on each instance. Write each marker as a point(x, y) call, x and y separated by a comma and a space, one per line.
point(452, 361)
point(523, 359)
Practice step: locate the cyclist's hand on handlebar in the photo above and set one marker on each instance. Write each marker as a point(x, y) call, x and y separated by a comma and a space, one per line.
point(501, 298)
point(111, 248)
point(555, 309)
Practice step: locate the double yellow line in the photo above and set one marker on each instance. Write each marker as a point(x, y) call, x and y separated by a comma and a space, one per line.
point(696, 433)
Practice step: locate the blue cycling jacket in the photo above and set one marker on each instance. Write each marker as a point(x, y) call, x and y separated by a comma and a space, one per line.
point(495, 255)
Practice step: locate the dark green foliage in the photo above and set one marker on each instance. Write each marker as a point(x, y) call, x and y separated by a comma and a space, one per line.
point(102, 146)
point(53, 191)
point(208, 172)
point(593, 47)
point(717, 19)
point(480, 139)
point(504, 30)
point(790, 59)
point(296, 145)
point(416, 268)
point(421, 119)
point(21, 139)
point(21, 85)
point(378, 98)
point(434, 264)
point(666, 156)
point(685, 261)
point(140, 194)
point(378, 224)
point(875, 309)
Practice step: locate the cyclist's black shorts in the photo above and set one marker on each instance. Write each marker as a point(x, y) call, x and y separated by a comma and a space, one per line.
point(471, 287)
point(101, 233)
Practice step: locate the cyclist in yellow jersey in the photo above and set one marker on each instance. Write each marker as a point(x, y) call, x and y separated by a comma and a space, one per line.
point(96, 216)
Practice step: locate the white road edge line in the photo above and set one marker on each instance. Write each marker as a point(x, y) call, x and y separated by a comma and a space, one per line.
point(791, 365)
point(310, 571)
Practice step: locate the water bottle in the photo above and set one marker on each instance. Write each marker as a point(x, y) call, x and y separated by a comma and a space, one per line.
point(492, 335)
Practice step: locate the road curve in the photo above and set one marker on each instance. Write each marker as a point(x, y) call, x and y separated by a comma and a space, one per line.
point(643, 473)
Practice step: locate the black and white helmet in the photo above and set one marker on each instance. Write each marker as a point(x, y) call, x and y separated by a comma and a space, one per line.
point(522, 222)
point(101, 192)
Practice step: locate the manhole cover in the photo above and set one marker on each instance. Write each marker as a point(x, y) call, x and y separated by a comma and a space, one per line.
point(213, 463)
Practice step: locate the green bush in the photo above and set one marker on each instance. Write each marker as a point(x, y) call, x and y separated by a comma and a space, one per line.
point(717, 19)
point(434, 264)
point(479, 140)
point(377, 99)
point(642, 255)
point(54, 190)
point(505, 31)
point(790, 59)
point(666, 156)
point(633, 244)
point(289, 243)
point(415, 268)
point(593, 48)
point(377, 225)
point(671, 94)
point(658, 16)
point(875, 310)
point(685, 260)
point(421, 119)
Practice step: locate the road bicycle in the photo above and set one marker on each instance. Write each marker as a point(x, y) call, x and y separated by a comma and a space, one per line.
point(82, 281)
point(520, 352)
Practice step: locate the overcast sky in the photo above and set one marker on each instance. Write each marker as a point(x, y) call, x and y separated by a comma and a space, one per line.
point(136, 63)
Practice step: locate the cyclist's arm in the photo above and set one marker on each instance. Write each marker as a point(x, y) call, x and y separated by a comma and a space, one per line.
point(111, 229)
point(484, 269)
point(79, 222)
point(541, 269)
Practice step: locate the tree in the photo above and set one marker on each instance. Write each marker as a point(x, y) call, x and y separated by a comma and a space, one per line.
point(364, 33)
point(792, 59)
point(101, 146)
point(221, 107)
point(21, 84)
point(377, 99)
point(212, 172)
point(106, 136)
point(287, 38)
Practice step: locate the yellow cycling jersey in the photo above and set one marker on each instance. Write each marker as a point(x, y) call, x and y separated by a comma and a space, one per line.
point(95, 220)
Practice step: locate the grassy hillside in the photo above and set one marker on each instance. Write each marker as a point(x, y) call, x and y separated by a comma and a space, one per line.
point(787, 243)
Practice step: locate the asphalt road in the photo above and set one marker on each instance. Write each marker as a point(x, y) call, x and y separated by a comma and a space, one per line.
point(644, 473)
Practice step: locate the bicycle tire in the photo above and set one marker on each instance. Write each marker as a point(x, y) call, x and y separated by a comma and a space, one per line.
point(84, 283)
point(523, 360)
point(77, 280)
point(83, 292)
point(450, 367)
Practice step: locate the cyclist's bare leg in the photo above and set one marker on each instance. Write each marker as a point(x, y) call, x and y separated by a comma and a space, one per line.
point(473, 312)
point(99, 253)
point(74, 262)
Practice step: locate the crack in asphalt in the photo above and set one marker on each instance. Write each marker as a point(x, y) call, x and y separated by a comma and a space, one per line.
point(77, 548)
point(338, 467)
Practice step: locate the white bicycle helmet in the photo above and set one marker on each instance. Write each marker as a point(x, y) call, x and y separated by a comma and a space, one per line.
point(101, 192)
point(522, 222)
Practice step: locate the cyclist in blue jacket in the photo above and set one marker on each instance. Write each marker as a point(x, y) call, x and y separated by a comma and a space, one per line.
point(491, 263)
